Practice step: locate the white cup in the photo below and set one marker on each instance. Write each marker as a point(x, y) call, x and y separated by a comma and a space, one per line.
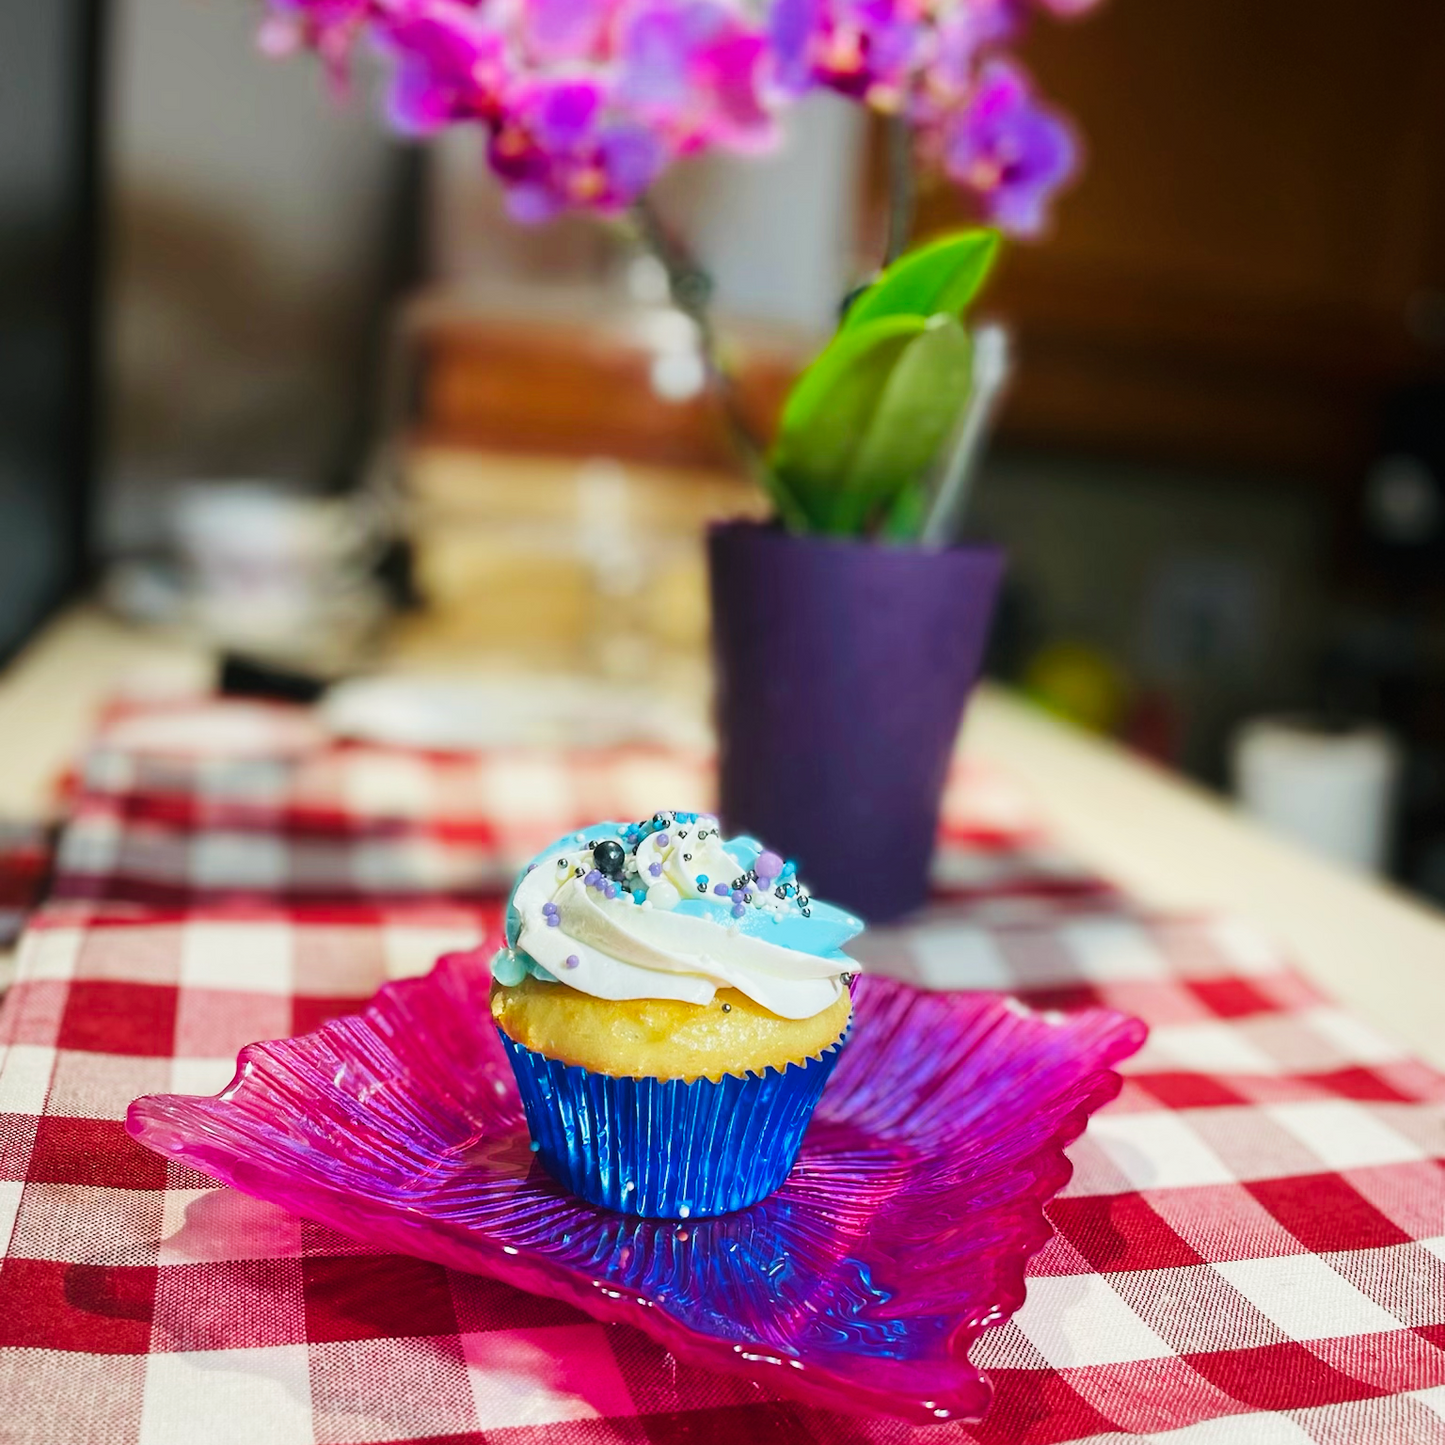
point(262, 563)
point(1332, 790)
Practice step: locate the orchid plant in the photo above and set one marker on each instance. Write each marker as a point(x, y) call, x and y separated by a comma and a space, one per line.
point(585, 104)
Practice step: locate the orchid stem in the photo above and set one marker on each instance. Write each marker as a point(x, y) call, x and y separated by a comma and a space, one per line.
point(691, 290)
point(902, 187)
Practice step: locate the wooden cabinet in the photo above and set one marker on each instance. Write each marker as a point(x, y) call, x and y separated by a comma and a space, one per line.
point(1256, 250)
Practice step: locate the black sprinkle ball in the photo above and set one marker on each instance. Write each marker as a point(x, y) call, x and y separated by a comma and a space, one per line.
point(610, 859)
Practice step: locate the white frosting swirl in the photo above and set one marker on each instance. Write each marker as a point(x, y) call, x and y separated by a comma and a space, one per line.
point(620, 948)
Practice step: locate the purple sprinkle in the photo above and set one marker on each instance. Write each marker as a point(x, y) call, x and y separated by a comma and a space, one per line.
point(655, 869)
point(721, 889)
point(737, 895)
point(549, 909)
point(738, 910)
point(768, 864)
point(553, 921)
point(573, 961)
point(663, 840)
point(610, 891)
point(593, 878)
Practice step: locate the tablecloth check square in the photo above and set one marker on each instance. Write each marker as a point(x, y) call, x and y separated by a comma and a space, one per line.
point(1252, 1247)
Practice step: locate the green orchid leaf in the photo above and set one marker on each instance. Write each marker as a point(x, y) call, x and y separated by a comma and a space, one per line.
point(907, 515)
point(829, 410)
point(916, 414)
point(943, 276)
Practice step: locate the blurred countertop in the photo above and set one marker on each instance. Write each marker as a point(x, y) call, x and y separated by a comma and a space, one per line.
point(1169, 843)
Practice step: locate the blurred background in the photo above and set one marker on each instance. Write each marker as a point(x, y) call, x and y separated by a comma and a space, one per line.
point(1219, 472)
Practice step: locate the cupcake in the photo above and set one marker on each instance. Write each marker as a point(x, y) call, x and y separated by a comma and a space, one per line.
point(672, 1003)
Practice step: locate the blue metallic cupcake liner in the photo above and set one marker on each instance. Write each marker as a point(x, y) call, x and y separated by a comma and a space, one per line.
point(668, 1148)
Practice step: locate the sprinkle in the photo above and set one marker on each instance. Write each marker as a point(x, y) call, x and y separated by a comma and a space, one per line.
point(573, 961)
point(530, 867)
point(663, 840)
point(593, 879)
point(739, 910)
point(702, 877)
point(687, 857)
point(610, 891)
point(807, 913)
point(721, 889)
point(737, 895)
point(727, 1008)
point(655, 869)
point(553, 921)
point(769, 865)
point(639, 895)
point(549, 908)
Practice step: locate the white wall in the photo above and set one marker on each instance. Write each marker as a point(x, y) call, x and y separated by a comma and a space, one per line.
point(778, 232)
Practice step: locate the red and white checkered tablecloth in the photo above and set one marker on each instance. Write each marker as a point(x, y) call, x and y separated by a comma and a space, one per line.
point(1251, 1250)
point(313, 821)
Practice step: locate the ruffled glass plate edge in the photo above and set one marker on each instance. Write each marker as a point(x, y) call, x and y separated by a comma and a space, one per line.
point(165, 1123)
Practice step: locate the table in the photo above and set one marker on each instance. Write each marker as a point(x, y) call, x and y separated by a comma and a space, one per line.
point(1167, 842)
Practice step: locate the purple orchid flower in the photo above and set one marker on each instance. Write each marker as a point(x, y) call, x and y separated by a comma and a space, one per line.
point(448, 67)
point(1009, 149)
point(586, 102)
point(792, 25)
point(866, 49)
point(328, 27)
point(561, 147)
point(555, 32)
point(693, 70)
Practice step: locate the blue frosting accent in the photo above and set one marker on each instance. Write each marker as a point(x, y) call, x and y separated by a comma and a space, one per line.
point(826, 931)
point(746, 850)
point(821, 934)
point(511, 965)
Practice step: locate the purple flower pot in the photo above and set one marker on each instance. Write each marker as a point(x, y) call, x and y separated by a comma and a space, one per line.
point(842, 672)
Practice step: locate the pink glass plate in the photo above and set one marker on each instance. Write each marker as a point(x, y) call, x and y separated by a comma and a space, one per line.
point(901, 1235)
